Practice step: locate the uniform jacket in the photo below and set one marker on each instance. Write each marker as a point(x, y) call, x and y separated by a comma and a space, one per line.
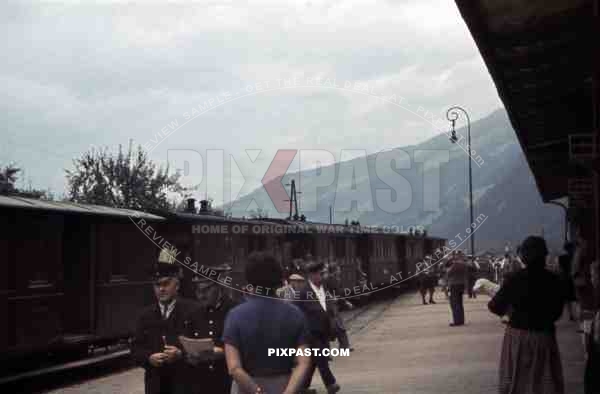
point(320, 322)
point(211, 374)
point(427, 280)
point(148, 339)
point(457, 273)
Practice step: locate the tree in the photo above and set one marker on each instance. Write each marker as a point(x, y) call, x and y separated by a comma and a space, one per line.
point(130, 181)
point(8, 180)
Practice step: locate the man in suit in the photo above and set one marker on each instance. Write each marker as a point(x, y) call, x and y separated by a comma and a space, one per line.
point(457, 277)
point(313, 302)
point(156, 346)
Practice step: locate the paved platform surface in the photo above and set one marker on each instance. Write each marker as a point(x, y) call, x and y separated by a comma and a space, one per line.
point(406, 347)
point(411, 349)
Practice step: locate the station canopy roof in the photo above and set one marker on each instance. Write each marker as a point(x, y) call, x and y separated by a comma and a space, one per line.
point(539, 54)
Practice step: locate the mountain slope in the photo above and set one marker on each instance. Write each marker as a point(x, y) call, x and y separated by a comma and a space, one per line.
point(504, 190)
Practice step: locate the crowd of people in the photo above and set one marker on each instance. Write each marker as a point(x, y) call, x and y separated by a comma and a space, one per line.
point(303, 315)
point(530, 297)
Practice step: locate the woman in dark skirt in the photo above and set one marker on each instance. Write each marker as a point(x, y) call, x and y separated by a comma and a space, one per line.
point(530, 361)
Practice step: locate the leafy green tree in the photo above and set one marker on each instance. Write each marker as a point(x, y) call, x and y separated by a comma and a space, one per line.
point(129, 180)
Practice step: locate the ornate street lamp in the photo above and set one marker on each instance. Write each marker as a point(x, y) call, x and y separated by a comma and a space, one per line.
point(452, 115)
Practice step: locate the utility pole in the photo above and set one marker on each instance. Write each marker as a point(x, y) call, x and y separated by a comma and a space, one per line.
point(330, 215)
point(293, 200)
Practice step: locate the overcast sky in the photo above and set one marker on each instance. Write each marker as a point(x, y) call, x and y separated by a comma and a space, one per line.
point(73, 76)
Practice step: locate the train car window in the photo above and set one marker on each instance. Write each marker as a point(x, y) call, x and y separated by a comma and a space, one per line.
point(242, 247)
point(229, 250)
point(340, 246)
point(117, 269)
point(44, 239)
point(352, 249)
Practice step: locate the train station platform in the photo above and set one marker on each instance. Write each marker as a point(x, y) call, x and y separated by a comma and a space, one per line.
point(411, 349)
point(403, 346)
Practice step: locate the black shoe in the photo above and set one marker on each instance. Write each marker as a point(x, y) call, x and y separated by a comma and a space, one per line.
point(333, 388)
point(424, 302)
point(432, 302)
point(308, 391)
point(456, 324)
point(351, 349)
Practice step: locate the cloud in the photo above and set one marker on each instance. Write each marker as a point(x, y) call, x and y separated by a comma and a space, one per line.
point(80, 74)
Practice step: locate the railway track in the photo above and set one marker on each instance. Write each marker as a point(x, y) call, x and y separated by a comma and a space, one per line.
point(46, 378)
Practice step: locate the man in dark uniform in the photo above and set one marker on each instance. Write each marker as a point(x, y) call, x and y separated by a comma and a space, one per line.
point(427, 280)
point(211, 370)
point(156, 346)
point(457, 277)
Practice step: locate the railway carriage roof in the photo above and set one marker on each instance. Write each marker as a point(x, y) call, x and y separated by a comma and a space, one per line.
point(13, 202)
point(195, 217)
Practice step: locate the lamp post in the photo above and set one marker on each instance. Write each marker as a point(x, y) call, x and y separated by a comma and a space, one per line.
point(452, 115)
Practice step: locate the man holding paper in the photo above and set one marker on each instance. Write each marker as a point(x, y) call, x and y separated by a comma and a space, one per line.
point(210, 369)
point(156, 346)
